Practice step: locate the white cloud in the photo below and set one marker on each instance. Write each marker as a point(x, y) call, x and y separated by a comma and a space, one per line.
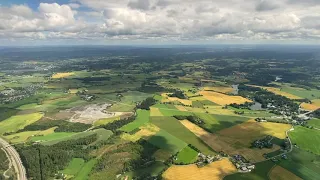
point(164, 20)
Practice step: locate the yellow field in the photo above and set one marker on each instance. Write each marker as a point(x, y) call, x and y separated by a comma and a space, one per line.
point(279, 173)
point(310, 107)
point(73, 91)
point(251, 130)
point(215, 170)
point(166, 98)
point(231, 144)
point(146, 131)
point(197, 98)
point(155, 112)
point(24, 136)
point(223, 99)
point(62, 75)
point(14, 123)
point(219, 89)
point(219, 110)
point(181, 108)
point(316, 102)
point(278, 92)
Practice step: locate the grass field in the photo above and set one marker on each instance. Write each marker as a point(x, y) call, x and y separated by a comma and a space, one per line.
point(74, 167)
point(304, 164)
point(62, 75)
point(18, 122)
point(315, 123)
point(260, 172)
point(147, 130)
point(231, 145)
point(174, 127)
point(142, 118)
point(166, 141)
point(279, 173)
point(186, 156)
point(215, 170)
point(102, 134)
point(303, 93)
point(305, 138)
point(85, 170)
point(223, 99)
point(155, 112)
point(24, 136)
point(166, 98)
point(153, 169)
point(214, 122)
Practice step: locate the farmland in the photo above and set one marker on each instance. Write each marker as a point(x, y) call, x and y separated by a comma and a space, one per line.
point(190, 172)
point(307, 139)
point(143, 113)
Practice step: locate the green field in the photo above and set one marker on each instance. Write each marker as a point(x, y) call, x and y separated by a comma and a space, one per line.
point(186, 156)
point(314, 122)
point(106, 121)
point(85, 170)
point(174, 127)
point(18, 122)
point(214, 122)
point(153, 170)
point(304, 93)
point(142, 118)
point(74, 166)
point(302, 163)
point(55, 138)
point(166, 141)
point(259, 173)
point(305, 138)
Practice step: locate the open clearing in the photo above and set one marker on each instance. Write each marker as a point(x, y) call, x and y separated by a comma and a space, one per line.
point(215, 170)
point(315, 123)
point(18, 122)
point(85, 170)
point(223, 99)
point(74, 167)
point(231, 145)
point(24, 136)
point(174, 127)
point(305, 138)
point(62, 75)
point(155, 112)
point(279, 173)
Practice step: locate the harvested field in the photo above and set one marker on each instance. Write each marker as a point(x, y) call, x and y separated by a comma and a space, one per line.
point(279, 173)
point(252, 130)
point(155, 112)
point(310, 107)
point(62, 75)
point(229, 145)
point(223, 99)
point(145, 132)
point(181, 108)
point(219, 89)
point(215, 170)
point(316, 102)
point(166, 98)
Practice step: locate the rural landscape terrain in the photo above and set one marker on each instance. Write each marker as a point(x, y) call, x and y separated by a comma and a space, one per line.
point(231, 112)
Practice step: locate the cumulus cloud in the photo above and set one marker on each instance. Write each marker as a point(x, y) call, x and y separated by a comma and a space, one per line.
point(164, 19)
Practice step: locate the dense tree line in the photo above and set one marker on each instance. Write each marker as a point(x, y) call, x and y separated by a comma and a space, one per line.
point(113, 126)
point(63, 126)
point(42, 162)
point(179, 94)
point(145, 104)
point(245, 105)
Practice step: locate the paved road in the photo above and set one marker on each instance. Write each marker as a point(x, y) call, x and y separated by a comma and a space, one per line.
point(15, 159)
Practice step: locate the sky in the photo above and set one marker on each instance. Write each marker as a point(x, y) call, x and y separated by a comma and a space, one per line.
point(98, 22)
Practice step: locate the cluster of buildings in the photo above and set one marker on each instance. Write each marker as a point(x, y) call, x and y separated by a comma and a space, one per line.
point(204, 160)
point(242, 164)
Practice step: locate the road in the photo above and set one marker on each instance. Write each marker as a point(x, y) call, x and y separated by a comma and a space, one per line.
point(15, 159)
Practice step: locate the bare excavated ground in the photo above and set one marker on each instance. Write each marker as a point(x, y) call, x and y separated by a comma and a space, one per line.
point(90, 113)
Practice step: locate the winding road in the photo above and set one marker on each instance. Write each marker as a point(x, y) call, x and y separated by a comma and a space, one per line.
point(14, 159)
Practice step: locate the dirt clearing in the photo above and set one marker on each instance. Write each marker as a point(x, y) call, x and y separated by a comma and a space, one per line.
point(223, 99)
